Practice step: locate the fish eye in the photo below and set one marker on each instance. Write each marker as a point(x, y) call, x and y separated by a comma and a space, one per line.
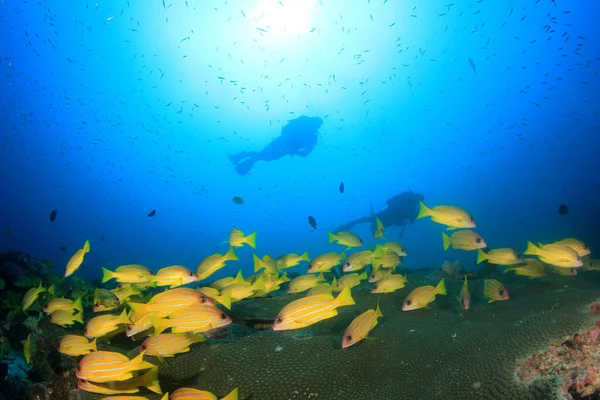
point(375, 287)
point(82, 381)
point(501, 292)
point(190, 273)
point(143, 347)
point(408, 302)
point(129, 327)
point(478, 240)
point(578, 258)
point(223, 316)
point(279, 320)
point(348, 338)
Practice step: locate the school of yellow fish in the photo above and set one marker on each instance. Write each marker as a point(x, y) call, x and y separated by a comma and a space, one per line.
point(189, 313)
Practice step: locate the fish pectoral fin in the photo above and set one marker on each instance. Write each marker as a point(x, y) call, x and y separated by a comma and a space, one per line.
point(450, 228)
point(161, 359)
point(369, 338)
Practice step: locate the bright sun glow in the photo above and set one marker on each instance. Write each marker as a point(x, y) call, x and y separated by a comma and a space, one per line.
point(284, 17)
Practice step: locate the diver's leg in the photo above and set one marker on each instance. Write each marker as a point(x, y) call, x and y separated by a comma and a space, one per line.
point(245, 166)
point(275, 150)
point(236, 158)
point(352, 224)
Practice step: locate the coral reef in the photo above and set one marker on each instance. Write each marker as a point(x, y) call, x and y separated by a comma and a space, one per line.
point(441, 352)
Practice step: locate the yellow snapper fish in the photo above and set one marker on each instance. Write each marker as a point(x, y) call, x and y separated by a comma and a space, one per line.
point(532, 268)
point(310, 310)
point(422, 296)
point(360, 327)
point(350, 280)
point(378, 229)
point(139, 324)
point(389, 284)
point(125, 291)
point(464, 240)
point(502, 256)
point(77, 259)
point(581, 248)
point(267, 262)
point(347, 239)
point(194, 319)
point(75, 345)
point(379, 273)
point(221, 283)
point(291, 260)
point(382, 259)
point(322, 288)
point(169, 301)
point(212, 264)
point(27, 349)
point(214, 294)
point(108, 366)
point(272, 283)
point(62, 304)
point(149, 380)
point(130, 273)
point(105, 300)
point(66, 317)
point(239, 291)
point(325, 262)
point(494, 290)
point(564, 271)
point(31, 296)
point(451, 216)
point(169, 344)
point(558, 255)
point(104, 324)
point(358, 261)
point(174, 276)
point(389, 247)
point(196, 394)
point(465, 296)
point(304, 282)
point(590, 264)
point(237, 239)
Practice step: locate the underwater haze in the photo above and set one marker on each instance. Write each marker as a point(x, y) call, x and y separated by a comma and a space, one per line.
point(113, 109)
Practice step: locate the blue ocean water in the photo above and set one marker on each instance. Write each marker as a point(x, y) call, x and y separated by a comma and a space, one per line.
point(112, 109)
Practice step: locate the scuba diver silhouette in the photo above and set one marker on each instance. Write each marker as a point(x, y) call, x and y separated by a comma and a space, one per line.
point(401, 210)
point(298, 138)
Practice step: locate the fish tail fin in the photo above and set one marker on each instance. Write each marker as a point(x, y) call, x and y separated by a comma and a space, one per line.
point(424, 211)
point(332, 237)
point(532, 249)
point(140, 309)
point(124, 317)
point(343, 255)
point(51, 289)
point(225, 300)
point(150, 381)
point(139, 363)
point(77, 305)
point(257, 263)
point(251, 240)
point(106, 275)
point(160, 324)
point(345, 298)
point(441, 288)
point(333, 283)
point(86, 246)
point(78, 317)
point(198, 338)
point(378, 312)
point(93, 345)
point(232, 396)
point(259, 284)
point(239, 277)
point(446, 240)
point(304, 256)
point(230, 255)
point(481, 256)
point(320, 277)
point(363, 276)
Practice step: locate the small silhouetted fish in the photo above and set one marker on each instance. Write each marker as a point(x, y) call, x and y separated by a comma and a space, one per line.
point(53, 215)
point(63, 248)
point(563, 209)
point(312, 221)
point(238, 200)
point(472, 65)
point(342, 187)
point(152, 213)
point(103, 238)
